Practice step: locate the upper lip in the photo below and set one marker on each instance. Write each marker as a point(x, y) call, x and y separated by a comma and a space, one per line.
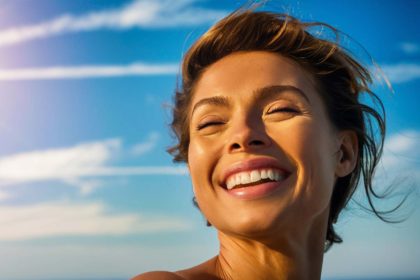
point(251, 164)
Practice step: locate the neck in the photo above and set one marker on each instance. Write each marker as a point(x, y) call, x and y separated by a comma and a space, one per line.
point(298, 256)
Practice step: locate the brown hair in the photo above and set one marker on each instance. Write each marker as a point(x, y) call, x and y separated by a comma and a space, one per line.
point(341, 81)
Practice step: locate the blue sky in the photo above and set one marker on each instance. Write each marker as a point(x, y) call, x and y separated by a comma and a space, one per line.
point(86, 187)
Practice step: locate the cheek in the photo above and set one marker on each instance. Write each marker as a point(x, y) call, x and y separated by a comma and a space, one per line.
point(320, 170)
point(200, 162)
point(195, 155)
point(310, 148)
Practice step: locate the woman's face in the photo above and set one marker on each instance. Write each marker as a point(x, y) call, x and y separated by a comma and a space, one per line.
point(262, 152)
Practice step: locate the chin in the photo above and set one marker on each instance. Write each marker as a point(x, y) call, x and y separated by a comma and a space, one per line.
point(255, 224)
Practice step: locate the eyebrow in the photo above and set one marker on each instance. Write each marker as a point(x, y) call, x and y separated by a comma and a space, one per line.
point(222, 101)
point(260, 93)
point(271, 91)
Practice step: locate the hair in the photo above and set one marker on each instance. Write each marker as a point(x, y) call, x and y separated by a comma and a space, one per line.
point(340, 79)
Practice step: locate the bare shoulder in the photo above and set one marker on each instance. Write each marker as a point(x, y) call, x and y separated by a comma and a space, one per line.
point(158, 275)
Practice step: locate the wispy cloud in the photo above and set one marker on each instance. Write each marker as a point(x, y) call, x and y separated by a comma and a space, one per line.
point(85, 185)
point(60, 163)
point(145, 147)
point(79, 165)
point(4, 195)
point(409, 47)
point(87, 71)
point(401, 150)
point(75, 219)
point(140, 14)
point(402, 72)
point(400, 163)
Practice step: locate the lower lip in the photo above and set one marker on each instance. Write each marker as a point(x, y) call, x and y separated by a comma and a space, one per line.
point(255, 192)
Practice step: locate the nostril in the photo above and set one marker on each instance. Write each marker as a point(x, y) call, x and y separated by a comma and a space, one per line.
point(256, 143)
point(253, 143)
point(236, 146)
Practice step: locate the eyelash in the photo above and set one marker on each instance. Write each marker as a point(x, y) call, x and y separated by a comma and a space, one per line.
point(206, 124)
point(283, 110)
point(272, 111)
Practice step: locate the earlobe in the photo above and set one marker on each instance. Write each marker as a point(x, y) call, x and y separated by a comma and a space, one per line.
point(347, 154)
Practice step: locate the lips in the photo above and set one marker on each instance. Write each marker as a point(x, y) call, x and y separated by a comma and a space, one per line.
point(253, 172)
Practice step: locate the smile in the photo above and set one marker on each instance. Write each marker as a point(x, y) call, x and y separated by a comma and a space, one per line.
point(252, 177)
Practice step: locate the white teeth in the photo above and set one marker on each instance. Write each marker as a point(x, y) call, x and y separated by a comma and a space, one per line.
point(264, 174)
point(237, 179)
point(230, 184)
point(255, 176)
point(247, 177)
point(270, 174)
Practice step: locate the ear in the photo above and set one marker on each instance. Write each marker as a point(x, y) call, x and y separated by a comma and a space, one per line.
point(347, 153)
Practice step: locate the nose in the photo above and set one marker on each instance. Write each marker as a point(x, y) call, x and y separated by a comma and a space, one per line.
point(247, 135)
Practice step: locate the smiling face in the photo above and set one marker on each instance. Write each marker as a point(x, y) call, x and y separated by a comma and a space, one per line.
point(262, 153)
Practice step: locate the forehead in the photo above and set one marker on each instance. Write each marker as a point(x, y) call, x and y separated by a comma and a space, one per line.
point(239, 73)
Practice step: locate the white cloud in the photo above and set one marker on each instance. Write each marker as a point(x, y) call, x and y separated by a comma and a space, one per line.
point(399, 166)
point(140, 14)
point(4, 195)
point(74, 165)
point(403, 141)
point(87, 71)
point(86, 186)
point(402, 72)
point(145, 147)
point(409, 47)
point(136, 170)
point(60, 163)
point(401, 150)
point(70, 219)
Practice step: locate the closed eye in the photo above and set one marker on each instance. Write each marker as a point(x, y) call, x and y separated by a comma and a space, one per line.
point(208, 124)
point(282, 110)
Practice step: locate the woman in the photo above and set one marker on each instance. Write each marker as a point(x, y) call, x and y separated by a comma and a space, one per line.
point(270, 124)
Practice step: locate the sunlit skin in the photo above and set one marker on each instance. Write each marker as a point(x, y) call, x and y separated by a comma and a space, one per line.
point(261, 106)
